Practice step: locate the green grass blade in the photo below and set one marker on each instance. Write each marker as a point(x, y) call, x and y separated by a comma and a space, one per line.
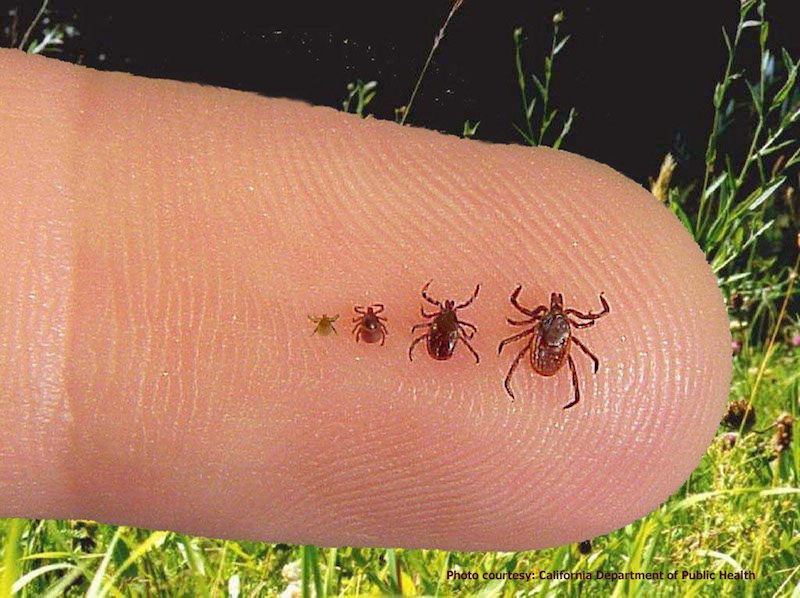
point(151, 541)
point(39, 571)
point(13, 534)
point(97, 580)
point(311, 573)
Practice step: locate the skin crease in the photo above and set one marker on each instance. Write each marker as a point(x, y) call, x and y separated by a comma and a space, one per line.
point(164, 244)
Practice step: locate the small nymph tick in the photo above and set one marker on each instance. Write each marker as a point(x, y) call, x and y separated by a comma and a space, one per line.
point(324, 324)
point(551, 338)
point(446, 329)
point(369, 325)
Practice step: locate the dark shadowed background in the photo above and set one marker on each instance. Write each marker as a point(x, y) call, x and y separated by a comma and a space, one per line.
point(640, 75)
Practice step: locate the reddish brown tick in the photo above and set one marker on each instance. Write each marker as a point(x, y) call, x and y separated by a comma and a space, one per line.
point(369, 325)
point(551, 338)
point(446, 329)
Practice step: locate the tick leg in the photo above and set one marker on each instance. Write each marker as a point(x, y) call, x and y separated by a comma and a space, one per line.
point(427, 315)
point(516, 337)
point(334, 318)
point(466, 342)
point(333, 328)
point(415, 326)
point(357, 326)
point(471, 299)
point(314, 319)
point(574, 382)
point(383, 336)
point(358, 335)
point(414, 344)
point(384, 328)
point(357, 318)
point(379, 306)
point(507, 381)
point(589, 353)
point(425, 295)
point(591, 315)
point(465, 333)
point(382, 318)
point(522, 322)
point(539, 310)
point(468, 325)
point(575, 324)
point(359, 310)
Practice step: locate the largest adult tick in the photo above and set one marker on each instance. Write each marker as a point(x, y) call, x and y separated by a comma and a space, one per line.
point(446, 329)
point(551, 338)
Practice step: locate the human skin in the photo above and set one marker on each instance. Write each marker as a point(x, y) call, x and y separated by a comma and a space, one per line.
point(163, 246)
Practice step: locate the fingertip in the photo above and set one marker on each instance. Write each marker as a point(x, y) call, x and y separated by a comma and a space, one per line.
point(642, 423)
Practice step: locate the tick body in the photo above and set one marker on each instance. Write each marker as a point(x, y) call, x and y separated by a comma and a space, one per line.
point(551, 338)
point(370, 326)
point(324, 324)
point(445, 328)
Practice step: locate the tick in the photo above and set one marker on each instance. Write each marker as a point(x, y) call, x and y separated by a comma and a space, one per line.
point(446, 329)
point(369, 325)
point(324, 324)
point(551, 338)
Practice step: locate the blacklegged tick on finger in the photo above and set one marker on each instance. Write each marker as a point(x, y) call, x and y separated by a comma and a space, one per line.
point(445, 329)
point(369, 326)
point(551, 338)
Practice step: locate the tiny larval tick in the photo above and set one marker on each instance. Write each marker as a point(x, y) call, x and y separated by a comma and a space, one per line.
point(446, 329)
point(369, 325)
point(551, 338)
point(324, 324)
